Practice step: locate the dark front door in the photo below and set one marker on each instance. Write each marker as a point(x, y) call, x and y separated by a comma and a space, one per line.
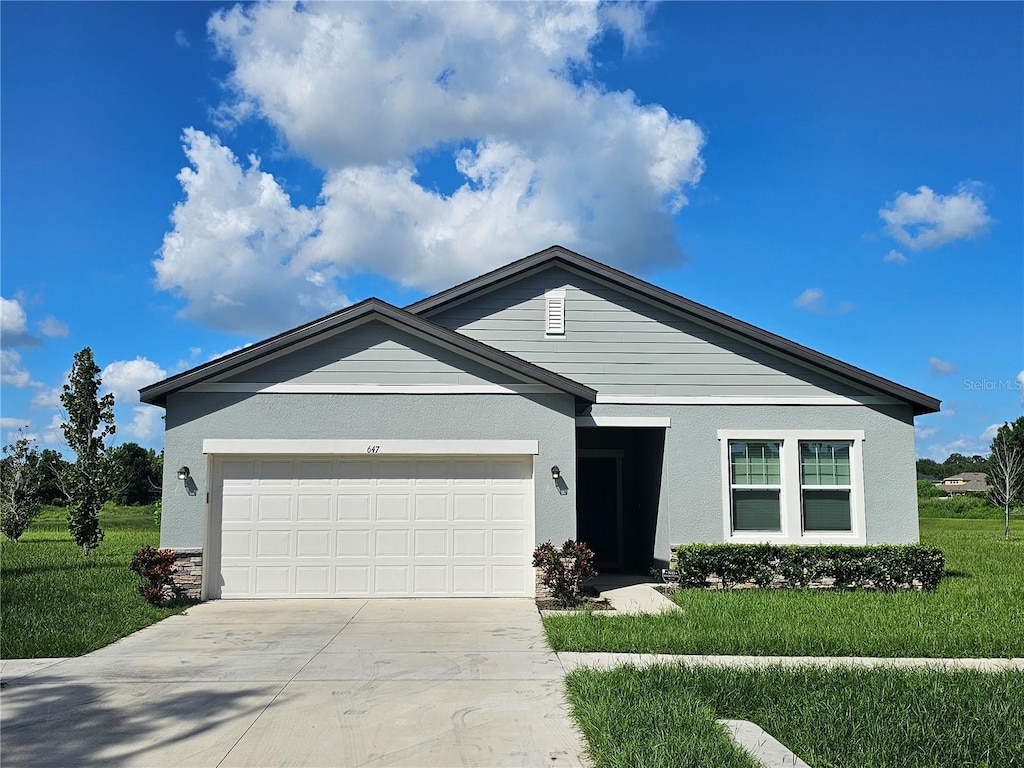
point(599, 505)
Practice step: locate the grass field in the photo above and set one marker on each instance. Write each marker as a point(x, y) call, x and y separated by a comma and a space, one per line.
point(977, 611)
point(54, 602)
point(840, 718)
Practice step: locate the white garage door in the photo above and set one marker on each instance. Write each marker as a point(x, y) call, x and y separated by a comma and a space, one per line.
point(297, 526)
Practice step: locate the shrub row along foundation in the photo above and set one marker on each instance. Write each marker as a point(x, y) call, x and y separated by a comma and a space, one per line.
point(768, 566)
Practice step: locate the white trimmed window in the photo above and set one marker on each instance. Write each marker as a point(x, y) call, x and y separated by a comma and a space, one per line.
point(792, 486)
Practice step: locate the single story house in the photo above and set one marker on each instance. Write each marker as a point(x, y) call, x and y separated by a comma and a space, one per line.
point(964, 483)
point(425, 451)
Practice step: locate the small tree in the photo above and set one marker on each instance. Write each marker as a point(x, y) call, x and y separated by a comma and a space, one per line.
point(1006, 476)
point(21, 480)
point(90, 420)
point(564, 571)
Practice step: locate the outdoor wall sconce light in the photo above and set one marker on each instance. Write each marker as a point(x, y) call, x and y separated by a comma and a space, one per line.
point(183, 473)
point(555, 472)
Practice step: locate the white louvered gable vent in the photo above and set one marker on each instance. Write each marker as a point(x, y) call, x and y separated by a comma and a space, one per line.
point(554, 312)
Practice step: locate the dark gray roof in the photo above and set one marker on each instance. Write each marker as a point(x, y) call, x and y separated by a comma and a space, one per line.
point(556, 255)
point(156, 394)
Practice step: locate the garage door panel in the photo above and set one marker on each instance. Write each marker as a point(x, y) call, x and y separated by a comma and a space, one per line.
point(276, 473)
point(508, 507)
point(430, 543)
point(354, 507)
point(353, 543)
point(273, 544)
point(273, 581)
point(313, 507)
point(312, 544)
point(470, 506)
point(316, 474)
point(432, 507)
point(469, 542)
point(391, 543)
point(469, 579)
point(362, 527)
point(237, 508)
point(313, 581)
point(430, 579)
point(508, 543)
point(274, 508)
point(237, 544)
point(393, 507)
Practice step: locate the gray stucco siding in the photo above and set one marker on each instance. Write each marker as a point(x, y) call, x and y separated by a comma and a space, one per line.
point(193, 417)
point(372, 353)
point(691, 507)
point(620, 344)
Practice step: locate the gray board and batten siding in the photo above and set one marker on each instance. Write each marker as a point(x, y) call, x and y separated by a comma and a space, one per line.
point(373, 353)
point(620, 344)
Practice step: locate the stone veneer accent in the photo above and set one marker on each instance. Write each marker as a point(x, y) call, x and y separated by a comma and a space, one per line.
point(188, 573)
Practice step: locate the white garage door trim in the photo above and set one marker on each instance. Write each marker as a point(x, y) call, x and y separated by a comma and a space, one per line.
point(317, 525)
point(371, 446)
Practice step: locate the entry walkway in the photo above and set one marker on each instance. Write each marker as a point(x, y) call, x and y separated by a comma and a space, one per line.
point(302, 683)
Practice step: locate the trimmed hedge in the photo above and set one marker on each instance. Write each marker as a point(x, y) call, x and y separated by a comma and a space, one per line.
point(884, 567)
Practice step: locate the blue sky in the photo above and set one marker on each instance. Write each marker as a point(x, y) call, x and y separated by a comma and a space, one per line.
point(180, 179)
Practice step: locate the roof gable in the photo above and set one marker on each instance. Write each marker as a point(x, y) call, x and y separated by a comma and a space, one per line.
point(666, 301)
point(234, 366)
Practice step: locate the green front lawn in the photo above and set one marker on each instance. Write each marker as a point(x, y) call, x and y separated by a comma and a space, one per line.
point(977, 611)
point(54, 602)
point(840, 718)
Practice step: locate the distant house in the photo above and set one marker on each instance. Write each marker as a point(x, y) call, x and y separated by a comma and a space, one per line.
point(965, 482)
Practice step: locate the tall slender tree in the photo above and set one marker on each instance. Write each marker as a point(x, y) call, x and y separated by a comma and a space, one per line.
point(1006, 473)
point(20, 482)
point(90, 420)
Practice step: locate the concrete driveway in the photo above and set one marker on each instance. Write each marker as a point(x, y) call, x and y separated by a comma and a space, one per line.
point(302, 683)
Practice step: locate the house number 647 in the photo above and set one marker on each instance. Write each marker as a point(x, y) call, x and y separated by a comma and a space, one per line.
point(372, 448)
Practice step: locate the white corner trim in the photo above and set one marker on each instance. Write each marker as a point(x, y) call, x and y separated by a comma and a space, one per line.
point(623, 421)
point(744, 400)
point(290, 388)
point(370, 446)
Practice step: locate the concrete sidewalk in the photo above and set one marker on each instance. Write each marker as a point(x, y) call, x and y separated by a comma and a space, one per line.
point(302, 683)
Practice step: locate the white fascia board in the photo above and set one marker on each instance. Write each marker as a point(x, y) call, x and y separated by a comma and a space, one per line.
point(623, 421)
point(290, 388)
point(370, 446)
point(743, 400)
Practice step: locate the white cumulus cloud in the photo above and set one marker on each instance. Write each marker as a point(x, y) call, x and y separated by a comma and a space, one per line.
point(813, 300)
point(540, 153)
point(12, 370)
point(1020, 386)
point(939, 367)
point(895, 257)
point(924, 219)
point(126, 377)
point(14, 325)
point(52, 327)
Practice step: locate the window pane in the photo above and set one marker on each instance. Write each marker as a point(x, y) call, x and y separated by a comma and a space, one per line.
point(755, 511)
point(755, 463)
point(826, 510)
point(825, 463)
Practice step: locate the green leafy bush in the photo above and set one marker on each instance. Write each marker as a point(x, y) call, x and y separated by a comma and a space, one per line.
point(926, 490)
point(965, 507)
point(885, 567)
point(564, 571)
